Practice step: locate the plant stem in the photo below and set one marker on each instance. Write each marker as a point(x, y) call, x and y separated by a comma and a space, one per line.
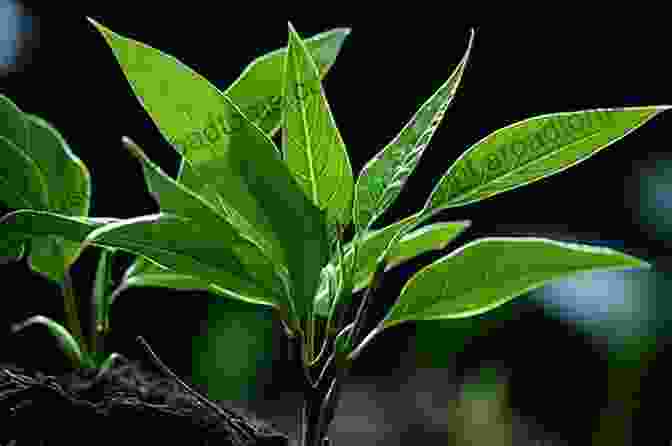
point(71, 314)
point(360, 318)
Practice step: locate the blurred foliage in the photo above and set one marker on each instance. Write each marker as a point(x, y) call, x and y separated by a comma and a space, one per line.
point(233, 352)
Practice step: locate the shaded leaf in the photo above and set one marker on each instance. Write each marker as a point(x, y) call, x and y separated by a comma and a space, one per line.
point(53, 178)
point(188, 246)
point(19, 226)
point(206, 227)
point(101, 285)
point(69, 191)
point(22, 186)
point(65, 340)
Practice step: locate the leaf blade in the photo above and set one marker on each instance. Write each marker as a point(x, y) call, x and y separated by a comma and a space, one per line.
point(425, 239)
point(69, 190)
point(232, 157)
point(53, 179)
point(383, 177)
point(66, 341)
point(176, 200)
point(489, 272)
point(258, 89)
point(523, 152)
point(312, 145)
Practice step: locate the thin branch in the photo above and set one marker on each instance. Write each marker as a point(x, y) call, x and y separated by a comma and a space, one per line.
point(244, 430)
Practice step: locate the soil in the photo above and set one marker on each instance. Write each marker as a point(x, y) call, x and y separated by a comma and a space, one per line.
point(126, 405)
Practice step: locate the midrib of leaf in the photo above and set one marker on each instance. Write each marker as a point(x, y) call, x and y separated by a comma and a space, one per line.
point(455, 200)
point(309, 148)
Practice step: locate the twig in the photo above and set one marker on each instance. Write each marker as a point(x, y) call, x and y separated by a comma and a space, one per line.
point(229, 416)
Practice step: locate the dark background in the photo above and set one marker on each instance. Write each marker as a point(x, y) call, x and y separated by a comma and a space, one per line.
point(558, 376)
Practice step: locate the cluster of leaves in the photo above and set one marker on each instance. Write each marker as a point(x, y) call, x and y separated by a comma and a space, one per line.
point(248, 220)
point(43, 177)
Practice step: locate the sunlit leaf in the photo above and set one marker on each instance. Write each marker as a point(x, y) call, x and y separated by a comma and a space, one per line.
point(384, 176)
point(431, 237)
point(532, 149)
point(311, 143)
point(258, 90)
point(489, 272)
point(247, 180)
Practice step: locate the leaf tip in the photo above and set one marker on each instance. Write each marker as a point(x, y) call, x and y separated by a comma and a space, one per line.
point(133, 148)
point(18, 326)
point(97, 25)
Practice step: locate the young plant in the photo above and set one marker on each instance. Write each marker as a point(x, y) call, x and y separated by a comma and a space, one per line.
point(41, 173)
point(247, 220)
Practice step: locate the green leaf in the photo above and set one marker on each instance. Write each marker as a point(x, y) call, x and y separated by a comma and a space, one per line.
point(22, 186)
point(384, 176)
point(489, 272)
point(532, 149)
point(258, 93)
point(428, 238)
point(202, 249)
point(101, 285)
point(311, 143)
point(166, 278)
point(210, 244)
point(19, 226)
point(258, 90)
point(69, 190)
point(247, 180)
point(53, 178)
point(65, 340)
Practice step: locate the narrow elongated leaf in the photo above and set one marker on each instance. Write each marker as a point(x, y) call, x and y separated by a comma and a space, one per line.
point(209, 227)
point(489, 272)
point(167, 278)
point(258, 93)
point(101, 285)
point(65, 340)
point(19, 226)
point(183, 244)
point(532, 149)
point(428, 238)
point(311, 143)
point(234, 158)
point(258, 90)
point(384, 176)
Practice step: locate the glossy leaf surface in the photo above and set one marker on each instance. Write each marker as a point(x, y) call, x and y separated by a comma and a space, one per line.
point(384, 176)
point(311, 143)
point(232, 158)
point(428, 238)
point(532, 149)
point(489, 272)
